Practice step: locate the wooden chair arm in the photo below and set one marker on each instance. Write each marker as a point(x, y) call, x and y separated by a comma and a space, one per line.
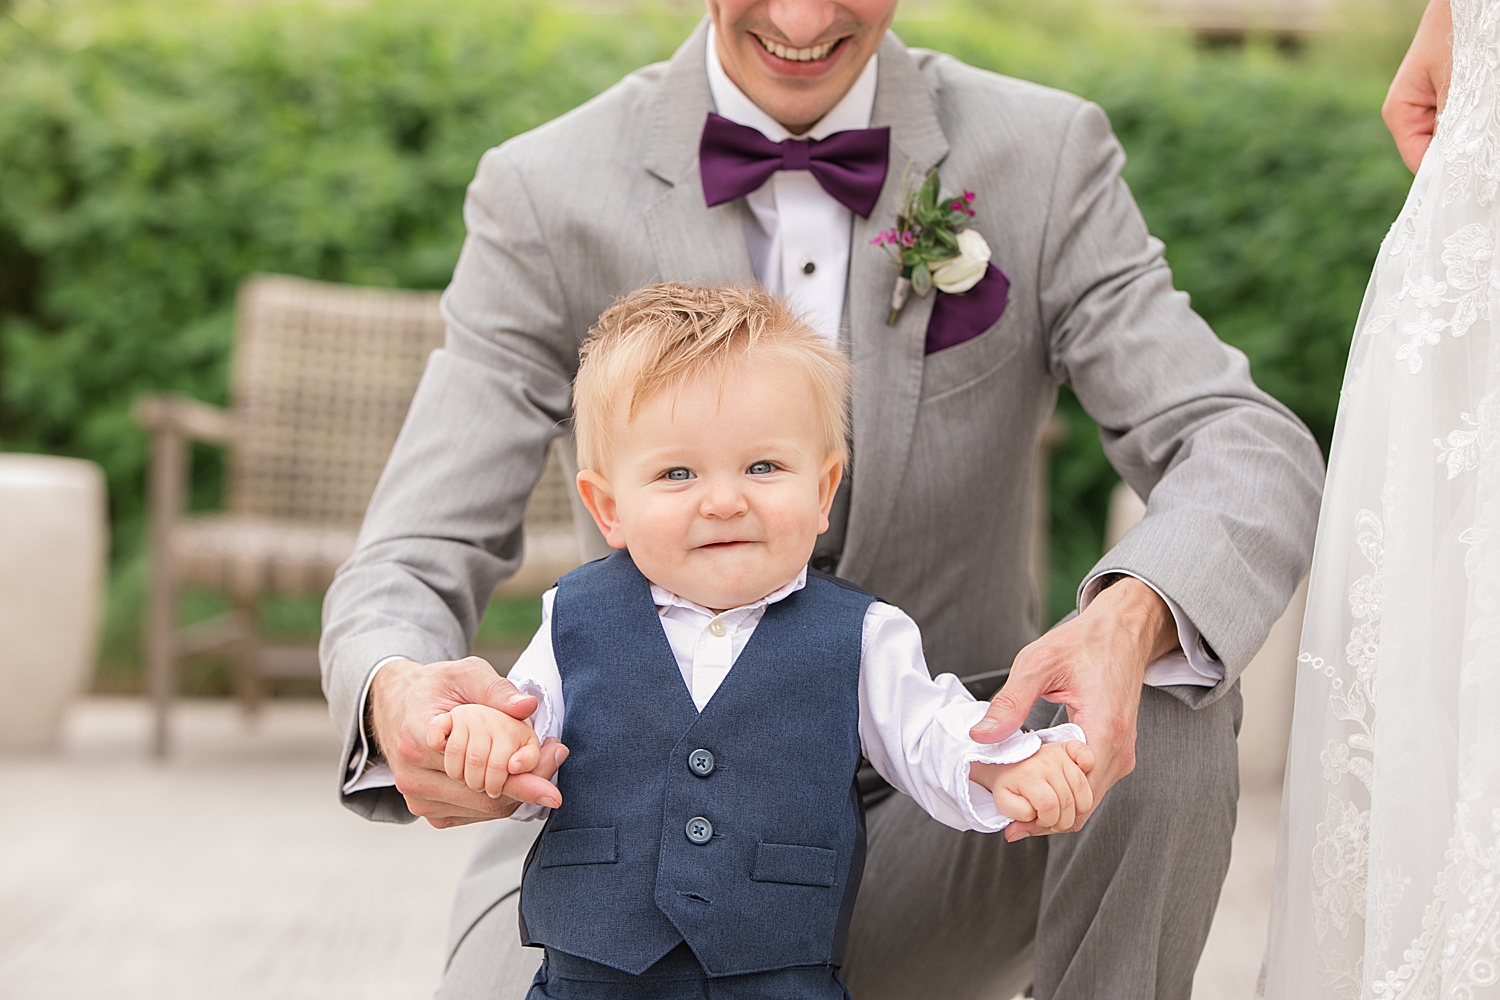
point(191, 418)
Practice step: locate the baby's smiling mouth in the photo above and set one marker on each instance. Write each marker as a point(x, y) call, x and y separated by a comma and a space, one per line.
point(724, 544)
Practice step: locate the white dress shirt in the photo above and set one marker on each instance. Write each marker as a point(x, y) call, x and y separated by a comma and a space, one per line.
point(914, 728)
point(792, 222)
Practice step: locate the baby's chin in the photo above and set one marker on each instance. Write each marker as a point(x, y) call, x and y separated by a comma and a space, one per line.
point(723, 578)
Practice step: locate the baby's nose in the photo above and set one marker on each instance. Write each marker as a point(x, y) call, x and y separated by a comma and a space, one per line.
point(722, 501)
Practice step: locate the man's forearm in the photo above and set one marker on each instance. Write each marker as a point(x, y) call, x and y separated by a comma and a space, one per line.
point(1232, 476)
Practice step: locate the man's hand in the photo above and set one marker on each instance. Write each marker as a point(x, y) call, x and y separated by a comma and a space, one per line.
point(1094, 664)
point(404, 699)
point(1420, 89)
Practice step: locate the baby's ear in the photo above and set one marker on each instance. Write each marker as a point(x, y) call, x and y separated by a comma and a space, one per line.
point(599, 498)
point(829, 476)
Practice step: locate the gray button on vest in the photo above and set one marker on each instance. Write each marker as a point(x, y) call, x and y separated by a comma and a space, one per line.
point(701, 763)
point(700, 830)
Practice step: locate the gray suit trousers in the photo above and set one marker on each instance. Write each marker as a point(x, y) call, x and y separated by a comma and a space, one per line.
point(1119, 910)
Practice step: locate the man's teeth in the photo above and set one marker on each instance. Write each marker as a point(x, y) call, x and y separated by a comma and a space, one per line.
point(797, 55)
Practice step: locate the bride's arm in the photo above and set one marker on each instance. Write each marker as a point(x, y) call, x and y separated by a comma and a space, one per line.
point(1420, 88)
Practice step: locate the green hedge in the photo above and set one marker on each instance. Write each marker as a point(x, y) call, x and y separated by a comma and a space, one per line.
point(154, 152)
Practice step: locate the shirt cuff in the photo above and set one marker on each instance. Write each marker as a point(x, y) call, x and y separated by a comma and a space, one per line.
point(545, 720)
point(526, 812)
point(362, 772)
point(1193, 662)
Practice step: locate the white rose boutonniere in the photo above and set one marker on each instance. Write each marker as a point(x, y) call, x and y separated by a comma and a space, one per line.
point(932, 244)
point(959, 274)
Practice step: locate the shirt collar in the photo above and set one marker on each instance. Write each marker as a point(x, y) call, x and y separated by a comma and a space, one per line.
point(666, 599)
point(853, 110)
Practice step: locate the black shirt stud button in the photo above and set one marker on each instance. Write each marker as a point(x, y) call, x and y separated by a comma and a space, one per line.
point(699, 830)
point(808, 267)
point(701, 763)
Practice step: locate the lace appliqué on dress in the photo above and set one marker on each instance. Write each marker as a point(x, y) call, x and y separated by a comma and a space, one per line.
point(1342, 841)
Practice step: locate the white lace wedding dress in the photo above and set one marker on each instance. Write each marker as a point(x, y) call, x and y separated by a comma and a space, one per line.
point(1388, 874)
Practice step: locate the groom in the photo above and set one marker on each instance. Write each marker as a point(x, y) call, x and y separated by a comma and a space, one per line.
point(820, 113)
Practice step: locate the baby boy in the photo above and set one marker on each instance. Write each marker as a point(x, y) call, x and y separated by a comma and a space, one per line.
point(706, 837)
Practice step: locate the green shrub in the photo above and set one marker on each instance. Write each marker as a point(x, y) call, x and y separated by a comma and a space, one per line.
point(154, 152)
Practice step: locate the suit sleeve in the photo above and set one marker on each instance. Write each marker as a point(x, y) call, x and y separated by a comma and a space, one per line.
point(1231, 477)
point(444, 525)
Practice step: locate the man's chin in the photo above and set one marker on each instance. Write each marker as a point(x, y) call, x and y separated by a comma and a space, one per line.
point(797, 94)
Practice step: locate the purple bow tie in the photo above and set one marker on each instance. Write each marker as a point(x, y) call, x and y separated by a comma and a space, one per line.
point(736, 159)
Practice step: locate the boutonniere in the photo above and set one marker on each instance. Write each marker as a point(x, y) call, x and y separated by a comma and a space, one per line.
point(932, 244)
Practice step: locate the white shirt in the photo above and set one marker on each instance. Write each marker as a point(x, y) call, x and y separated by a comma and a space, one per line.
point(793, 221)
point(914, 728)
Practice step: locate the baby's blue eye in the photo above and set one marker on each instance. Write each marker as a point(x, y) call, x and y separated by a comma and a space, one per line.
point(761, 469)
point(678, 475)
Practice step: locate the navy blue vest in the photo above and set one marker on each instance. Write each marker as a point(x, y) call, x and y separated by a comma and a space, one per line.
point(617, 876)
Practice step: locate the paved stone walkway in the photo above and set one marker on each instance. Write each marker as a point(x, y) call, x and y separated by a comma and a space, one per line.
point(231, 872)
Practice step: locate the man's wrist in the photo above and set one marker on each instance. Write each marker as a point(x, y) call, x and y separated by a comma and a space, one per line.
point(374, 754)
point(1140, 612)
point(387, 675)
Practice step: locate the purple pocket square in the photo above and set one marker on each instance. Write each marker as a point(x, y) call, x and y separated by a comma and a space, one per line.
point(957, 318)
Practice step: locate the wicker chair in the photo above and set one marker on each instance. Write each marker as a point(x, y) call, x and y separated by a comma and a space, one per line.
point(322, 376)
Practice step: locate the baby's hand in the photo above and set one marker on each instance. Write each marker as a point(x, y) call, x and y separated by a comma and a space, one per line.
point(483, 747)
point(1049, 788)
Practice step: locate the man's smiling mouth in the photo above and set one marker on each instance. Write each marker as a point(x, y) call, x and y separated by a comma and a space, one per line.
point(811, 54)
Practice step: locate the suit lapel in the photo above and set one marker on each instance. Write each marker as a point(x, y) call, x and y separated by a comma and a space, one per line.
point(887, 359)
point(691, 242)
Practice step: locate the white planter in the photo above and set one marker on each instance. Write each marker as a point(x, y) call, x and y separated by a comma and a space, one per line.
point(53, 540)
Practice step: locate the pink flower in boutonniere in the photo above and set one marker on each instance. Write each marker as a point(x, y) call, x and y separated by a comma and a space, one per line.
point(932, 244)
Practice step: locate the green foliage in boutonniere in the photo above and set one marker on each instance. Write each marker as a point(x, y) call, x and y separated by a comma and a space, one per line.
point(931, 242)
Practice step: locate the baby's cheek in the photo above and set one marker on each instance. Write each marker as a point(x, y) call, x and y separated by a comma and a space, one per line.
point(794, 523)
point(656, 531)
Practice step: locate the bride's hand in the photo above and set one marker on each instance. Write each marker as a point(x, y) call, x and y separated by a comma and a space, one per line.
point(1420, 88)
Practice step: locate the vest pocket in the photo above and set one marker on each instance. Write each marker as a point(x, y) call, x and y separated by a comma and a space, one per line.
point(794, 865)
point(594, 846)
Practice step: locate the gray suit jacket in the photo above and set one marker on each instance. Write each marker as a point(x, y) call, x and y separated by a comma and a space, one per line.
point(606, 198)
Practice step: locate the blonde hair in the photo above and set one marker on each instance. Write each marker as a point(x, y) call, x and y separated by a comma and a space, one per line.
point(661, 336)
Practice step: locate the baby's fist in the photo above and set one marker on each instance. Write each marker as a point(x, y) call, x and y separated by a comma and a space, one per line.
point(483, 748)
point(1050, 788)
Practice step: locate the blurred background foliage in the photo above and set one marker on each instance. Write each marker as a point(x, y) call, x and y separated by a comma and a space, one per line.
point(155, 152)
